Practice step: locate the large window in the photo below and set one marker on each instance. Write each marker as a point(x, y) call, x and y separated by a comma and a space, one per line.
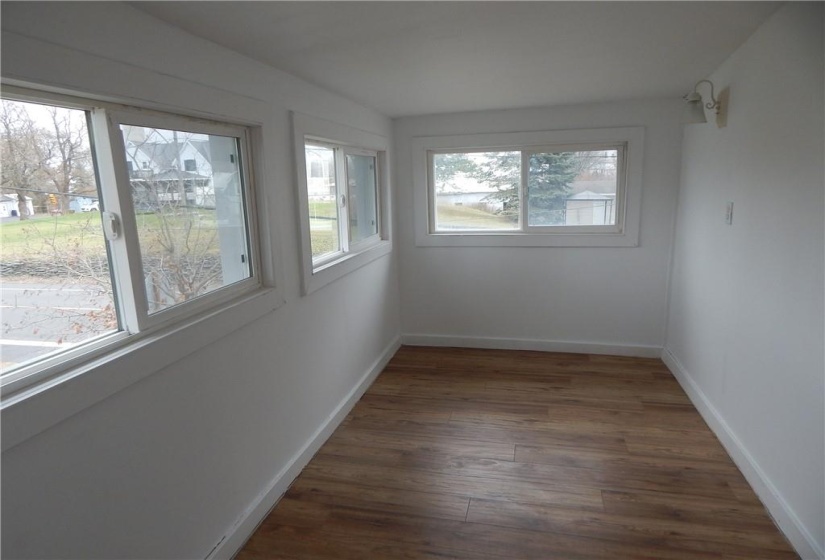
point(115, 222)
point(57, 288)
point(530, 189)
point(342, 183)
point(566, 188)
point(191, 227)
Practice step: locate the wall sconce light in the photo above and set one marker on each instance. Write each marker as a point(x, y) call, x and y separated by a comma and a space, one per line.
point(695, 108)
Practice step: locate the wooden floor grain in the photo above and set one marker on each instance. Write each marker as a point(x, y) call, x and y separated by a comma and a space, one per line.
point(489, 454)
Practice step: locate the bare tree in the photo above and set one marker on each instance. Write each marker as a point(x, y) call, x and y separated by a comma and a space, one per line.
point(67, 155)
point(38, 160)
point(22, 157)
point(176, 216)
point(178, 233)
point(595, 164)
point(45, 153)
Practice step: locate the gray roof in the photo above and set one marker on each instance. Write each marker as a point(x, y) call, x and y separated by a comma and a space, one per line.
point(165, 154)
point(590, 195)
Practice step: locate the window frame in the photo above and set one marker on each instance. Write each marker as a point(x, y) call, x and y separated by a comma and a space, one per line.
point(431, 198)
point(347, 246)
point(126, 248)
point(319, 272)
point(628, 197)
point(325, 258)
point(111, 353)
point(621, 186)
point(365, 243)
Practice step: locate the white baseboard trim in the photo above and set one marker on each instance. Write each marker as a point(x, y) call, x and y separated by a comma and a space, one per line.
point(782, 513)
point(637, 351)
point(240, 532)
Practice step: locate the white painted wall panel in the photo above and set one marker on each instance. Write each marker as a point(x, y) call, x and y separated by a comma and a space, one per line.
point(746, 307)
point(544, 297)
point(168, 466)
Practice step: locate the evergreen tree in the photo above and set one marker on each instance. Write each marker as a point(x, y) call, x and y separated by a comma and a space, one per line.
point(548, 186)
point(448, 166)
point(502, 170)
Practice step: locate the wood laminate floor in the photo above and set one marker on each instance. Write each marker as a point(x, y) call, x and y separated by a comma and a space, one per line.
point(492, 454)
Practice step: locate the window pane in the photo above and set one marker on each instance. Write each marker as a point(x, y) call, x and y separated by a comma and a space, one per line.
point(572, 188)
point(56, 286)
point(362, 205)
point(477, 190)
point(191, 224)
point(323, 204)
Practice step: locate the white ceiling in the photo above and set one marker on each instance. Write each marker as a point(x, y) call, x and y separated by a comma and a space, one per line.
point(412, 58)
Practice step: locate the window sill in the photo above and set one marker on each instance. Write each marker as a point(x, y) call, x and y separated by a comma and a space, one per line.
point(33, 410)
point(333, 270)
point(521, 239)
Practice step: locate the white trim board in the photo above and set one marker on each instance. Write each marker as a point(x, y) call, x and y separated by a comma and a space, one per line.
point(637, 351)
point(782, 513)
point(245, 526)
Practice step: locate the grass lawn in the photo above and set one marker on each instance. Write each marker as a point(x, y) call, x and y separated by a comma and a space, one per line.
point(463, 217)
point(322, 241)
point(322, 209)
point(467, 217)
point(41, 237)
point(195, 233)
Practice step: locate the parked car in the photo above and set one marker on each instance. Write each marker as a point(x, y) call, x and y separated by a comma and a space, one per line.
point(90, 206)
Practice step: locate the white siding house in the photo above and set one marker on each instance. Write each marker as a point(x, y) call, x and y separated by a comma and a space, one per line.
point(9, 205)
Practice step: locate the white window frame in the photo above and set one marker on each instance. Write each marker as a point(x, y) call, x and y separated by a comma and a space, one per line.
point(365, 243)
point(126, 247)
point(345, 140)
point(625, 233)
point(153, 340)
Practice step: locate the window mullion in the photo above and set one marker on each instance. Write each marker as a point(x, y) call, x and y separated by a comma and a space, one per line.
point(432, 222)
point(524, 195)
point(379, 226)
point(620, 202)
point(343, 194)
point(117, 205)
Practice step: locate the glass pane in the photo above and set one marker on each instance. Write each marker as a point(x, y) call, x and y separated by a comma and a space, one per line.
point(56, 286)
point(191, 224)
point(323, 206)
point(363, 207)
point(572, 188)
point(477, 191)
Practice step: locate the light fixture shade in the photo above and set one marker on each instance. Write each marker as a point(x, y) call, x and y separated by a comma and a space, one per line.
point(694, 111)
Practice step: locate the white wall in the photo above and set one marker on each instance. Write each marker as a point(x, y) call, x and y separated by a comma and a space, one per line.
point(166, 467)
point(580, 299)
point(745, 330)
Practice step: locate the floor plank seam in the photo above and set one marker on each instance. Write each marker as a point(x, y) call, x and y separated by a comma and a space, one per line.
point(557, 456)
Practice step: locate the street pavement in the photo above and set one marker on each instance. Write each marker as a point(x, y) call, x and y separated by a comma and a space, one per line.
point(40, 318)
